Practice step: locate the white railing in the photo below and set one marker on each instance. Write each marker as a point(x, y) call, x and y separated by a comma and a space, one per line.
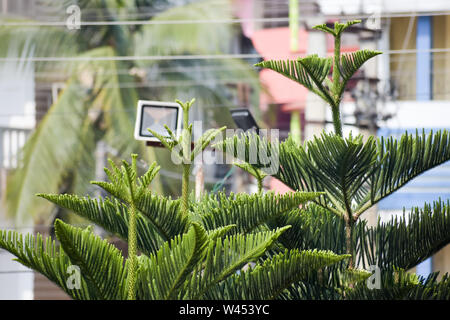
point(11, 142)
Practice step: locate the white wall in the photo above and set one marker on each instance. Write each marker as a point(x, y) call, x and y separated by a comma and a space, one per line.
point(17, 110)
point(419, 114)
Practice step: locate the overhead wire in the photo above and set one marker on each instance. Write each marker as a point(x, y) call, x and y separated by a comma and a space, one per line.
point(188, 56)
point(404, 97)
point(302, 18)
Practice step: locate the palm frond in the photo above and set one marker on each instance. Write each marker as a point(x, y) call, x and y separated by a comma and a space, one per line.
point(37, 169)
point(46, 156)
point(117, 102)
point(45, 42)
point(170, 39)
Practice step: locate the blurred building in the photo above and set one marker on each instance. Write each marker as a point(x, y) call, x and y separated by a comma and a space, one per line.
point(412, 91)
point(403, 89)
point(17, 119)
point(16, 122)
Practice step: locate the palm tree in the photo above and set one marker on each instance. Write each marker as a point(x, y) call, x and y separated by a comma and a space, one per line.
point(103, 86)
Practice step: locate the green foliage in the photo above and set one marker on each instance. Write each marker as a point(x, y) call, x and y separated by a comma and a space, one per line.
point(255, 172)
point(42, 256)
point(307, 244)
point(308, 227)
point(102, 272)
point(405, 159)
point(400, 285)
point(186, 254)
point(270, 279)
point(335, 165)
point(338, 27)
point(416, 235)
point(313, 71)
point(112, 215)
point(162, 275)
point(351, 62)
point(248, 212)
point(100, 263)
point(226, 256)
point(257, 151)
point(310, 72)
point(193, 263)
point(354, 174)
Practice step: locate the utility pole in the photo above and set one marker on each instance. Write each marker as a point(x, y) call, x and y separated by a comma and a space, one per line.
point(295, 124)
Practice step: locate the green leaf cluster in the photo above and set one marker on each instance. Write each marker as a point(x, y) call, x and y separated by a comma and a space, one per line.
point(176, 256)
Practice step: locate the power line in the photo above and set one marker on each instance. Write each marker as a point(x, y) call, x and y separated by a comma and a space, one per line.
point(159, 70)
point(131, 110)
point(213, 67)
point(302, 18)
point(132, 58)
point(187, 57)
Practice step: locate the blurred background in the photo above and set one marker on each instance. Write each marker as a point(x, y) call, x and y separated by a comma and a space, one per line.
point(71, 73)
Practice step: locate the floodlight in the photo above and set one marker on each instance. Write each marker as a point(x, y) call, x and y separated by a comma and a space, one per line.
point(154, 115)
point(244, 119)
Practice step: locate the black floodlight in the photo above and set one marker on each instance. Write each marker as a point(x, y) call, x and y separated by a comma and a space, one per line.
point(154, 115)
point(244, 119)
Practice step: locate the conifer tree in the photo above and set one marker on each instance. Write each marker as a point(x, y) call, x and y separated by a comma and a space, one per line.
point(355, 175)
